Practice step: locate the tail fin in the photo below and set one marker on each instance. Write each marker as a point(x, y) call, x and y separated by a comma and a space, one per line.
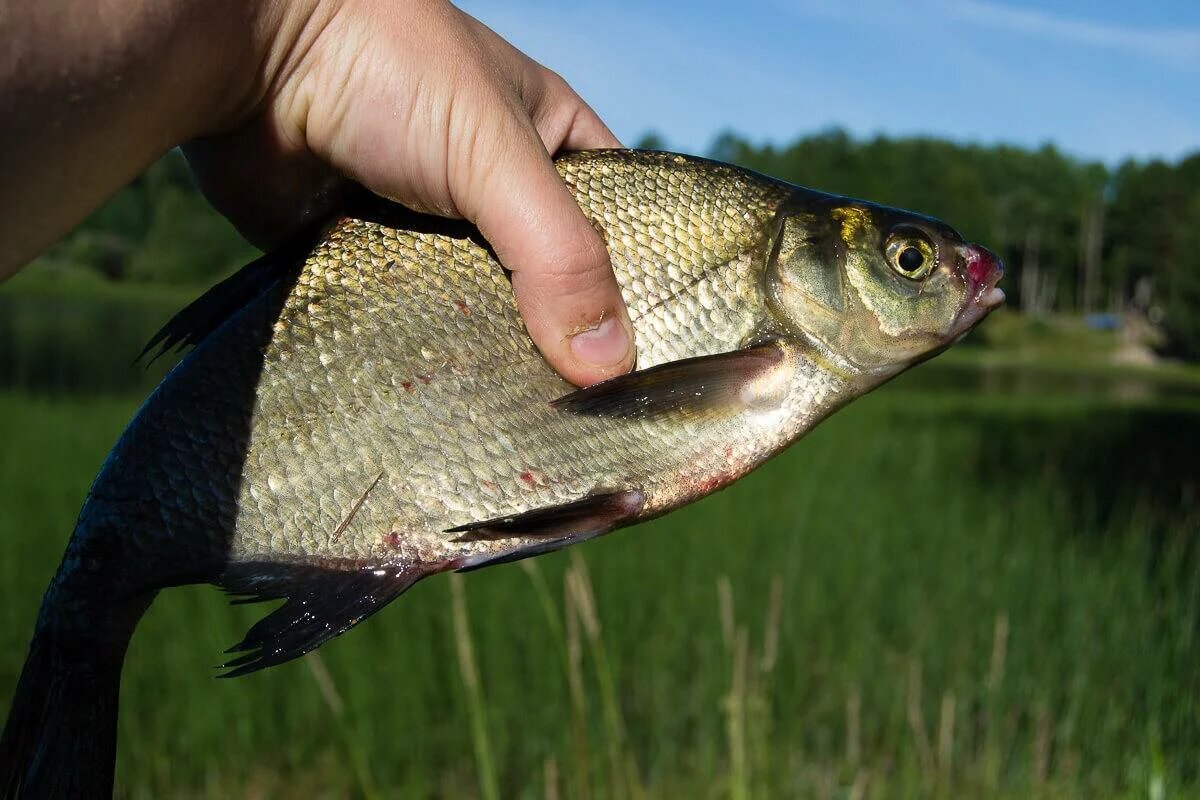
point(61, 736)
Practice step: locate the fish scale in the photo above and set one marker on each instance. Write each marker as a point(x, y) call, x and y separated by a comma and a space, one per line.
point(510, 379)
point(363, 408)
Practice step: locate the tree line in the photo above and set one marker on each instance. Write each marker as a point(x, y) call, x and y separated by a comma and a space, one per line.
point(1076, 236)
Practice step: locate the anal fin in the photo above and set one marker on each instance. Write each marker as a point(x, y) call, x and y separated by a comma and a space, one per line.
point(692, 385)
point(321, 601)
point(550, 528)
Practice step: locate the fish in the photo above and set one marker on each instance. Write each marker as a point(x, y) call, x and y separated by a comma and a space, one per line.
point(363, 408)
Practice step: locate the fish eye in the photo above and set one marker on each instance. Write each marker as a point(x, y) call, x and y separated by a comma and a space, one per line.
point(910, 253)
point(911, 259)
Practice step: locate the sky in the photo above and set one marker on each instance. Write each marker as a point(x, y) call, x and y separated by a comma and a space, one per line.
point(1102, 80)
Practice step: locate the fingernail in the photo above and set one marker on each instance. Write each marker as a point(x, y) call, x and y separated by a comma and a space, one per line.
point(604, 345)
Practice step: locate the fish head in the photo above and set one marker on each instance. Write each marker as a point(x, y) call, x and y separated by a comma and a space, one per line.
point(877, 288)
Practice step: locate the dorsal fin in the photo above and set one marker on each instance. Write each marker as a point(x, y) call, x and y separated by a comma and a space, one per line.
point(208, 312)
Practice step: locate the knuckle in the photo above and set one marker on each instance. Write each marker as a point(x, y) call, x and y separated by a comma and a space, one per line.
point(580, 270)
point(556, 85)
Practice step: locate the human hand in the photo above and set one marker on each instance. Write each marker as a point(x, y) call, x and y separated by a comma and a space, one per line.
point(424, 105)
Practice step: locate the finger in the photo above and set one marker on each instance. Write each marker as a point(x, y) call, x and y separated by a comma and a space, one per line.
point(564, 120)
point(562, 279)
point(588, 132)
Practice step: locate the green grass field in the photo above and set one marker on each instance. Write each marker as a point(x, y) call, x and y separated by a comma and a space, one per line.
point(937, 593)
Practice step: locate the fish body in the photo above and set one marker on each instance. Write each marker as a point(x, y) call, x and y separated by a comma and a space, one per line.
point(364, 409)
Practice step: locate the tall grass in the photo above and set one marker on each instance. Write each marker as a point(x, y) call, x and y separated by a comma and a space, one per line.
point(931, 595)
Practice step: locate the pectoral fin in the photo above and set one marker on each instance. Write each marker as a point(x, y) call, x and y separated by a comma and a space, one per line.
point(552, 528)
point(724, 381)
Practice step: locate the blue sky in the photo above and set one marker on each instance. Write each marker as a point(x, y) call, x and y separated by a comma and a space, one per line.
point(1100, 79)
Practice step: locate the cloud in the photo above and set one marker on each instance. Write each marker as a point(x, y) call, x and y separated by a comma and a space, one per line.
point(1180, 45)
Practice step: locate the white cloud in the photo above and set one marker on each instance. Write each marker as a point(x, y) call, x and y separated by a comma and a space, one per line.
point(1180, 45)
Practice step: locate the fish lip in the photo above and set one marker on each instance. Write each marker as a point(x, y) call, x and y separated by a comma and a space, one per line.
point(981, 271)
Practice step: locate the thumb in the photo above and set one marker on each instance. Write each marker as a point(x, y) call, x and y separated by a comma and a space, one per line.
point(561, 274)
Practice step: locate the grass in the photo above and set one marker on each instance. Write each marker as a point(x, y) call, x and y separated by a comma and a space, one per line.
point(934, 594)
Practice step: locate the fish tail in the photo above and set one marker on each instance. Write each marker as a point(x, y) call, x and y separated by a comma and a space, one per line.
point(61, 735)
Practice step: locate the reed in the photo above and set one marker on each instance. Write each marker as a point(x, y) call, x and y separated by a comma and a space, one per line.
point(469, 671)
point(352, 742)
point(929, 596)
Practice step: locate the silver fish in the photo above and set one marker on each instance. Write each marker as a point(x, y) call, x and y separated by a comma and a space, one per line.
point(364, 408)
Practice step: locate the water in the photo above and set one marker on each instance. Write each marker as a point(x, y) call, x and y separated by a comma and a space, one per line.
point(78, 345)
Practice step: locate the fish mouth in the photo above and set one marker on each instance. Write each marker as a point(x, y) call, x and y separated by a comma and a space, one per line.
point(981, 271)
